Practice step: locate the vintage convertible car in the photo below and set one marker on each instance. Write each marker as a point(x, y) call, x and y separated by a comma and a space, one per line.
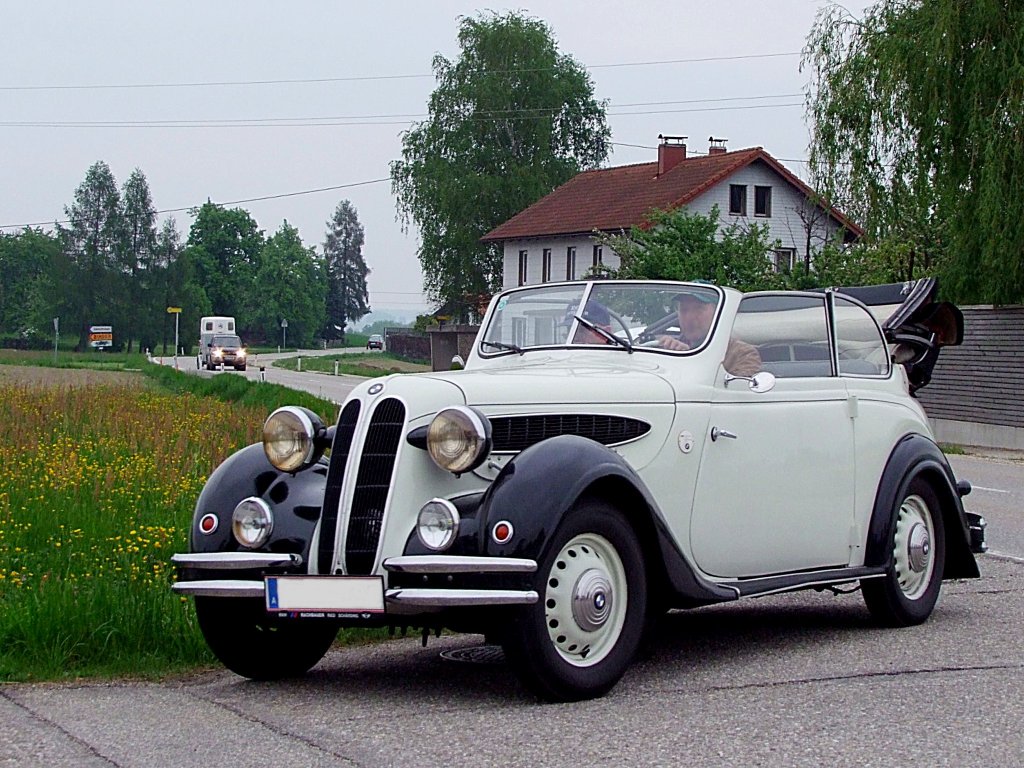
point(598, 461)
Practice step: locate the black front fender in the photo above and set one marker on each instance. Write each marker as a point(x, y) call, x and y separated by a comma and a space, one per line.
point(295, 500)
point(536, 489)
point(917, 456)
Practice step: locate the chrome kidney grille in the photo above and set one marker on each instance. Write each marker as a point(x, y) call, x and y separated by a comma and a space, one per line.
point(340, 450)
point(373, 482)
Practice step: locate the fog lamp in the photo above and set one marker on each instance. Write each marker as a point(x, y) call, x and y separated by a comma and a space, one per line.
point(252, 522)
point(437, 524)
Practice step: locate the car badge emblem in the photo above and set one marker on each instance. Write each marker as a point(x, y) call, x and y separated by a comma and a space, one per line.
point(376, 389)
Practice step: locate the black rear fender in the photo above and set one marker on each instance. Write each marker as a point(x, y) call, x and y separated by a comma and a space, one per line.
point(917, 456)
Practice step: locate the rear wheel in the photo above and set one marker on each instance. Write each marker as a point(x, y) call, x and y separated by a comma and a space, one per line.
point(909, 590)
point(252, 644)
point(578, 640)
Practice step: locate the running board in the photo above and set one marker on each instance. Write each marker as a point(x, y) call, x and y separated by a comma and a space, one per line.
point(787, 583)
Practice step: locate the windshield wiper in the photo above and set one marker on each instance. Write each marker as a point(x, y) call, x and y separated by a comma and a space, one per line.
point(606, 334)
point(502, 345)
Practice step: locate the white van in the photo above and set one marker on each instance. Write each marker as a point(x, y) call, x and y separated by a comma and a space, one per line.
point(215, 325)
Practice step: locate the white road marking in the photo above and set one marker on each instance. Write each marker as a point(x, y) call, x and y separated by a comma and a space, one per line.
point(1001, 556)
point(990, 490)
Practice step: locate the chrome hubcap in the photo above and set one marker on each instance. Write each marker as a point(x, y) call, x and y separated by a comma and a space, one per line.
point(920, 546)
point(585, 600)
point(592, 600)
point(913, 553)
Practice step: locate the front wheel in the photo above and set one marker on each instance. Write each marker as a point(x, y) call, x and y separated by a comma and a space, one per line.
point(252, 644)
point(578, 640)
point(909, 590)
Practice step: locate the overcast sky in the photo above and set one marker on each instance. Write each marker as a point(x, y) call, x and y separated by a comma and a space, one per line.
point(359, 72)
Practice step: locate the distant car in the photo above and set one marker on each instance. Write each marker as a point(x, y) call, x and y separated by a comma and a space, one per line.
point(375, 342)
point(588, 471)
point(225, 350)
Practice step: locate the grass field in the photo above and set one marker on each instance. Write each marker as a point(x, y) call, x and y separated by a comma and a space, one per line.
point(97, 485)
point(354, 364)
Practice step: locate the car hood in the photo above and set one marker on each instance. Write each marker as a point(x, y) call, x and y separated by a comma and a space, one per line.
point(551, 383)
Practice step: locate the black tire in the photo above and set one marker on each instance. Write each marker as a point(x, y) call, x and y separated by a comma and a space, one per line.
point(578, 640)
point(239, 367)
point(910, 588)
point(252, 644)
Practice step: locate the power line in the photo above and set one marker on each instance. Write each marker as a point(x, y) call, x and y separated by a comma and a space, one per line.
point(372, 78)
point(540, 112)
point(230, 202)
point(329, 123)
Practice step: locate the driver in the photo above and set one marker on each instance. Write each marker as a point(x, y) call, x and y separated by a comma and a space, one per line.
point(695, 312)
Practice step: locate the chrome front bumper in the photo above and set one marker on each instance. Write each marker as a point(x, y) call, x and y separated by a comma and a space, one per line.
point(404, 597)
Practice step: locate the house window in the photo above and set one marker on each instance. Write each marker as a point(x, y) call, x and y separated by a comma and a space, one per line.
point(784, 259)
point(522, 266)
point(570, 263)
point(762, 201)
point(598, 256)
point(738, 199)
point(546, 266)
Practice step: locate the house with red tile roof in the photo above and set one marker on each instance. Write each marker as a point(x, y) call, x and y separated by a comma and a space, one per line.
point(554, 239)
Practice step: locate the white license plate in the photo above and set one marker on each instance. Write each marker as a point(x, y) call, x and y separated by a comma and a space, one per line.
point(327, 594)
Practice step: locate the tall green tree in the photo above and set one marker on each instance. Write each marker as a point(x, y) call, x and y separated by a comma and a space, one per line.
point(90, 246)
point(25, 301)
point(176, 286)
point(347, 299)
point(511, 119)
point(138, 311)
point(917, 115)
point(293, 287)
point(224, 247)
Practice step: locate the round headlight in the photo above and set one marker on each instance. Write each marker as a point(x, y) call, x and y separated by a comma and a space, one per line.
point(251, 522)
point(437, 524)
point(459, 439)
point(288, 438)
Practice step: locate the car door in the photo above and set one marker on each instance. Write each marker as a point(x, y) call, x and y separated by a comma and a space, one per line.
point(775, 490)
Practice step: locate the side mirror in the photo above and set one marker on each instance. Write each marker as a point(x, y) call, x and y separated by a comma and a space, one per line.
point(458, 363)
point(760, 382)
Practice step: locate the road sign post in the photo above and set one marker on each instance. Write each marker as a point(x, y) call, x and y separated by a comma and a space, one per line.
point(176, 311)
point(284, 334)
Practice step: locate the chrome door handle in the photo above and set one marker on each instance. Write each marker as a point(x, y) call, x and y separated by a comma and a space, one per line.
point(717, 433)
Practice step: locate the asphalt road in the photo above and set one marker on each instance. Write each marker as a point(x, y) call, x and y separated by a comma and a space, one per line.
point(797, 680)
point(794, 680)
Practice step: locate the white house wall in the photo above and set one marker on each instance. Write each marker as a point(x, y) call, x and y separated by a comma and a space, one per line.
point(534, 248)
point(784, 225)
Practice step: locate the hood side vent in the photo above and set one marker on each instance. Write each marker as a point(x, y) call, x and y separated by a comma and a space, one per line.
point(511, 434)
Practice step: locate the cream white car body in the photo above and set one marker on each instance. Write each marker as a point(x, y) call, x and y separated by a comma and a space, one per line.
point(715, 485)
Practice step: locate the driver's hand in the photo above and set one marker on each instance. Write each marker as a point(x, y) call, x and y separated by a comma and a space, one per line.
point(670, 342)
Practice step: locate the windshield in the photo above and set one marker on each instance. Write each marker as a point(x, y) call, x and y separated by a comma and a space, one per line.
point(666, 317)
point(227, 341)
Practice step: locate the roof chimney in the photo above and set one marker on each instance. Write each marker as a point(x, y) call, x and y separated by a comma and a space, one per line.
point(716, 146)
point(671, 152)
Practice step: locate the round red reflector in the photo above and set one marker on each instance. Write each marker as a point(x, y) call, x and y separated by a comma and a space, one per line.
point(502, 532)
point(208, 524)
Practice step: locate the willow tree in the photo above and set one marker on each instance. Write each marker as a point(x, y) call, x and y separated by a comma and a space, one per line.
point(917, 114)
point(510, 119)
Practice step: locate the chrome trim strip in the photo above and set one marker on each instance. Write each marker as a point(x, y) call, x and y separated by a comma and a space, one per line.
point(457, 598)
point(219, 588)
point(227, 560)
point(457, 564)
